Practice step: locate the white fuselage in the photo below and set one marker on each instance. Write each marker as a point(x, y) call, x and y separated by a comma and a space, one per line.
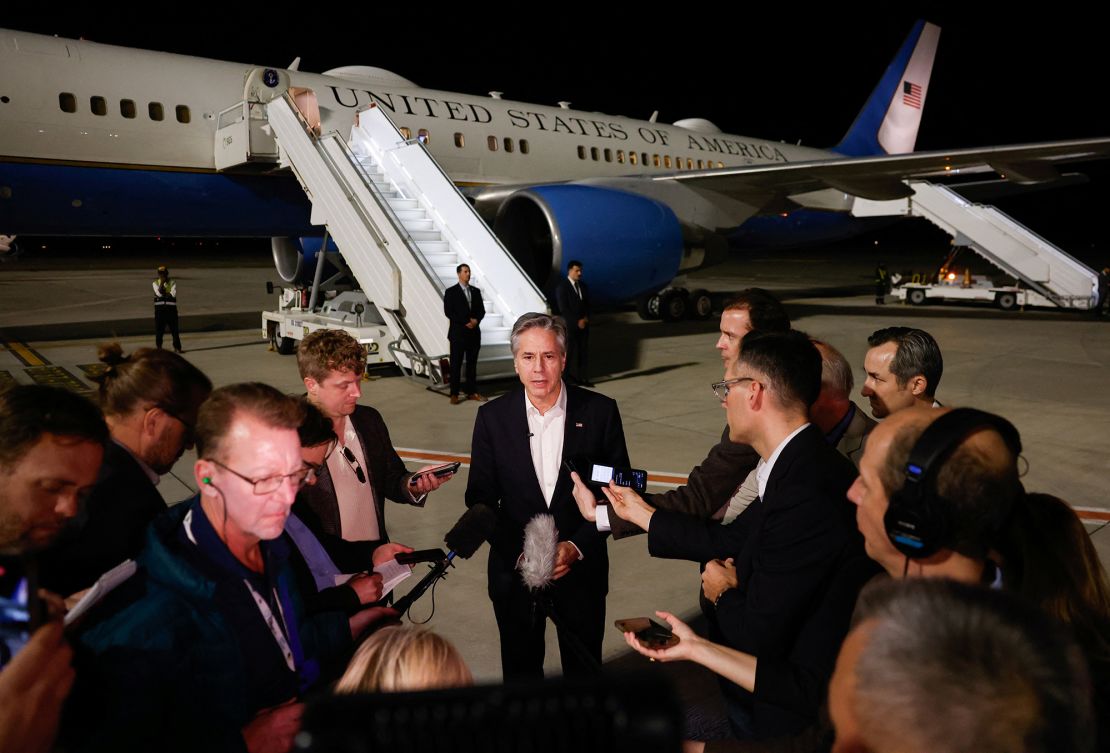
point(477, 140)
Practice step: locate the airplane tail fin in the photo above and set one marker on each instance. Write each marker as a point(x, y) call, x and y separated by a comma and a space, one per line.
point(889, 120)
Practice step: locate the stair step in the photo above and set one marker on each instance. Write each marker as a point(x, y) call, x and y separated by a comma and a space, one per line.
point(399, 204)
point(419, 224)
point(409, 215)
point(433, 246)
point(426, 235)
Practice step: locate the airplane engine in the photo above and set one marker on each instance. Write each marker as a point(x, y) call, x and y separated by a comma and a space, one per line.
point(629, 245)
point(295, 258)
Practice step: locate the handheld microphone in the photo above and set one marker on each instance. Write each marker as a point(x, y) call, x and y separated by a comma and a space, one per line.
point(541, 543)
point(470, 532)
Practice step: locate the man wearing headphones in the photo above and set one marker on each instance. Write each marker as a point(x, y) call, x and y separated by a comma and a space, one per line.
point(936, 487)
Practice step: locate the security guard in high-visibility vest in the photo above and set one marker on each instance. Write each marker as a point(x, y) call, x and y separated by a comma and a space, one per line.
point(165, 308)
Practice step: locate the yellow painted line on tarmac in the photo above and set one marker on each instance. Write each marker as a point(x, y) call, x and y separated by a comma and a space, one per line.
point(25, 353)
point(658, 478)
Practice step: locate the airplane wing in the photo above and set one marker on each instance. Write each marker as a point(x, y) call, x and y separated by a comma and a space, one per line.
point(881, 177)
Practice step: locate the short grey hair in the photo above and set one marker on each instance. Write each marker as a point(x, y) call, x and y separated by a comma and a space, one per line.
point(997, 673)
point(836, 372)
point(554, 324)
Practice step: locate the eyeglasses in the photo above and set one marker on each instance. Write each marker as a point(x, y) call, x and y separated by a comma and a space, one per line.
point(353, 462)
point(720, 389)
point(271, 484)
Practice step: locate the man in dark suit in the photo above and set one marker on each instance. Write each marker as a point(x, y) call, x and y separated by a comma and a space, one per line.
point(150, 400)
point(348, 499)
point(521, 441)
point(573, 299)
point(775, 565)
point(463, 307)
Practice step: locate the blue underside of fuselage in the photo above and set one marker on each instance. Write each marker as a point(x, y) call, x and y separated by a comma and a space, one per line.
point(802, 227)
point(52, 199)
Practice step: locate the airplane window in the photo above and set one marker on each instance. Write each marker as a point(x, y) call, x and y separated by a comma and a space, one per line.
point(98, 105)
point(423, 136)
point(655, 160)
point(67, 102)
point(689, 164)
point(594, 153)
point(700, 164)
point(643, 158)
point(508, 145)
point(678, 162)
point(632, 158)
point(667, 160)
point(154, 109)
point(581, 152)
point(608, 155)
point(491, 142)
point(524, 146)
point(620, 156)
point(182, 113)
point(127, 108)
point(460, 141)
point(720, 164)
point(406, 133)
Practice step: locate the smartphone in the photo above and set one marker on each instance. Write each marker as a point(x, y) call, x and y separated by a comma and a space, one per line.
point(649, 633)
point(15, 618)
point(633, 478)
point(439, 471)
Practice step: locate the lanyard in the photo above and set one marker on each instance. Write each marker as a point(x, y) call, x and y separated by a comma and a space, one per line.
point(278, 630)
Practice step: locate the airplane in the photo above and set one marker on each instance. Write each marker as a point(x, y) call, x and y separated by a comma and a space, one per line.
point(98, 139)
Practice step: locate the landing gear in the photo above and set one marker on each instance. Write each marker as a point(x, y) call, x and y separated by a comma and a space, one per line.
point(675, 304)
point(701, 305)
point(672, 305)
point(647, 306)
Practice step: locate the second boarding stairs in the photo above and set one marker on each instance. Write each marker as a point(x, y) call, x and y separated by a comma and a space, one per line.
point(1000, 239)
point(402, 228)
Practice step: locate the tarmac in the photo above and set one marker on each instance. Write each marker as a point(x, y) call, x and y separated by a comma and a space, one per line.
point(1045, 371)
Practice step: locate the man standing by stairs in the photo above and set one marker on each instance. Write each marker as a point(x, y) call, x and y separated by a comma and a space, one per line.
point(462, 305)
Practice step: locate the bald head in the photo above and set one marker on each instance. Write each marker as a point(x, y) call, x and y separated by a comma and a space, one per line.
point(975, 489)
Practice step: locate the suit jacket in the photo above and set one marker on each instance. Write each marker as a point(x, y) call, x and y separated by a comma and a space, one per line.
point(571, 307)
point(503, 477)
point(317, 505)
point(852, 444)
point(459, 312)
point(790, 550)
point(707, 489)
point(111, 527)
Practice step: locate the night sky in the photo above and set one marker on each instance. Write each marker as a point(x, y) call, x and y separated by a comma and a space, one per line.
point(999, 77)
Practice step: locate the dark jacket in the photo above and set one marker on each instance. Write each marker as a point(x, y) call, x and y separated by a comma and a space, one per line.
point(161, 668)
point(707, 489)
point(317, 505)
point(800, 564)
point(570, 306)
point(459, 312)
point(110, 529)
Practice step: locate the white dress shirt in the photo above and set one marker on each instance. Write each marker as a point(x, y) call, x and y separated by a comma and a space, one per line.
point(763, 472)
point(545, 440)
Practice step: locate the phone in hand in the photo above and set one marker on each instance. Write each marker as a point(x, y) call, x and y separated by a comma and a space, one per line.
point(649, 633)
point(632, 478)
point(439, 471)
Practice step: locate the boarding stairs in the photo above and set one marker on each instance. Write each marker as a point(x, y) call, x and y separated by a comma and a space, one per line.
point(1000, 239)
point(402, 227)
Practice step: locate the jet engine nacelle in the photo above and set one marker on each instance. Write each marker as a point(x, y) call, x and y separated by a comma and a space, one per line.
point(629, 245)
point(295, 258)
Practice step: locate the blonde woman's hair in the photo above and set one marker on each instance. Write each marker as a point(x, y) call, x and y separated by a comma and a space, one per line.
point(403, 658)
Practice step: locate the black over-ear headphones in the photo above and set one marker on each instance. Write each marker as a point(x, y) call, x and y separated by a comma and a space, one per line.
point(917, 520)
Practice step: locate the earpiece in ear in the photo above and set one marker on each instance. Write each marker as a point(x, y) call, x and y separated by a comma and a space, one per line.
point(206, 480)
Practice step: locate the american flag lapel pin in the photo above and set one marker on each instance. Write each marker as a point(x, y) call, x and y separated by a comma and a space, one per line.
point(577, 424)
